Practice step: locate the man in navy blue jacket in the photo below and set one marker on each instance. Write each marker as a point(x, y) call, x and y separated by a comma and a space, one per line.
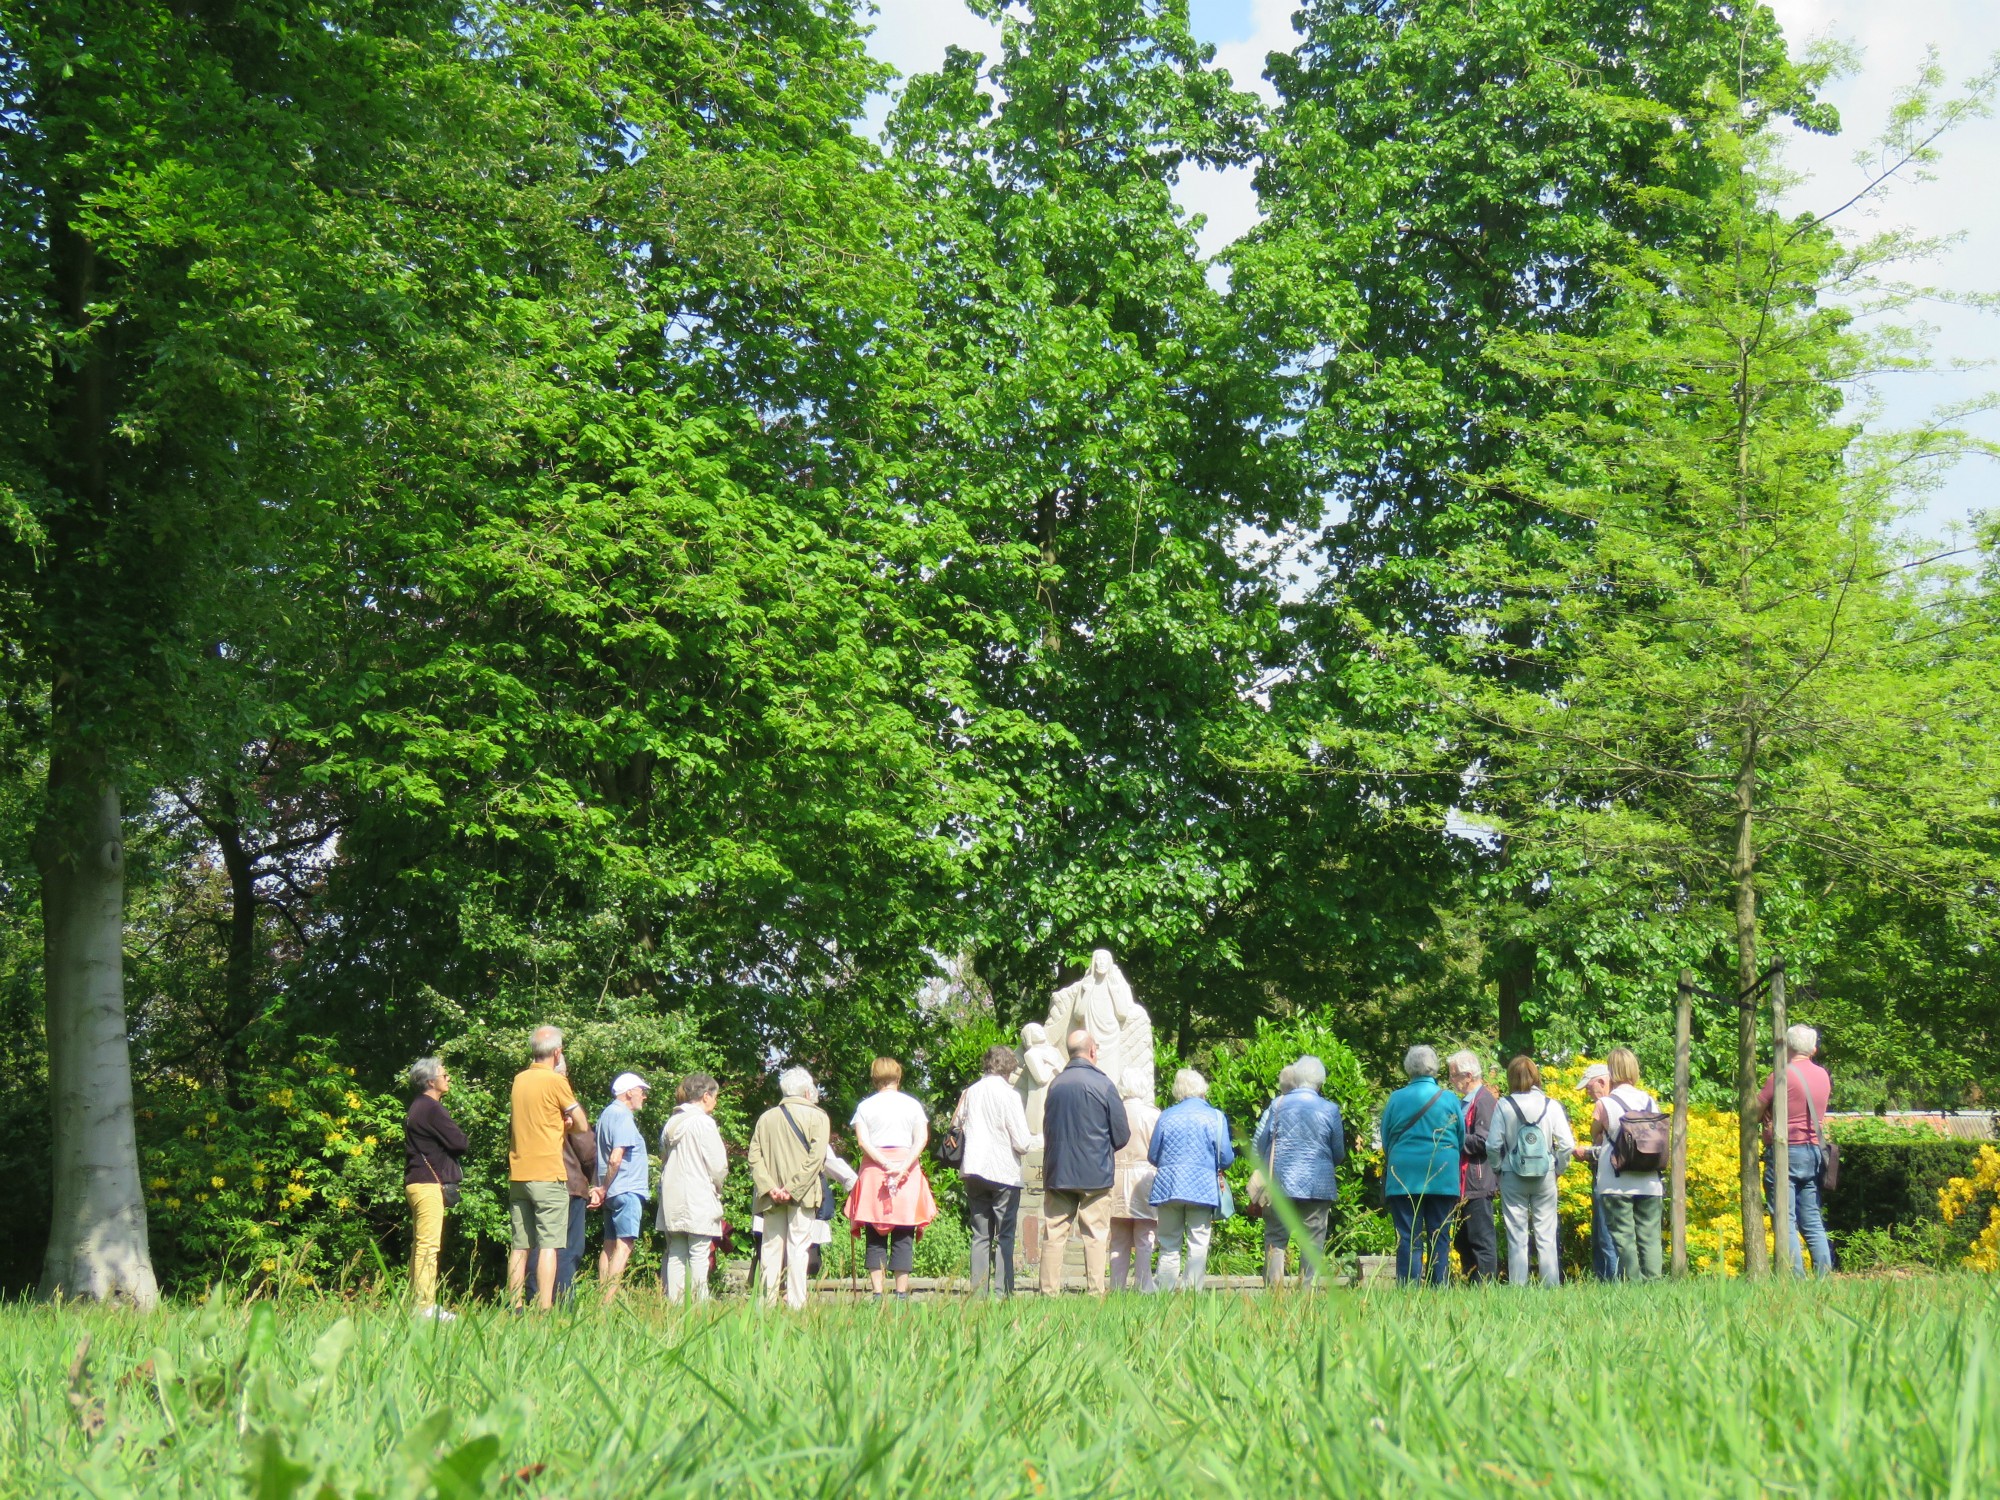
point(1083, 1129)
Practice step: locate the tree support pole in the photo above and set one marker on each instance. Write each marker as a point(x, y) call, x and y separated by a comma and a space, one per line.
point(1781, 1129)
point(1683, 1043)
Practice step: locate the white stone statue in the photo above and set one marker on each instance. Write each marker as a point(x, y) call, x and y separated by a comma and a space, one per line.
point(1039, 1065)
point(1101, 1003)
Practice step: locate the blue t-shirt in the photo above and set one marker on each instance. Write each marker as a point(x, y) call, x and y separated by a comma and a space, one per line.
point(615, 1128)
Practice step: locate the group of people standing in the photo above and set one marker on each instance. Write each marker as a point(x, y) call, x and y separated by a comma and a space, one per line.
point(1119, 1175)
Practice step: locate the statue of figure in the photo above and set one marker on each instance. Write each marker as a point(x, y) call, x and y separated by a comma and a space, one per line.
point(1039, 1065)
point(1101, 1003)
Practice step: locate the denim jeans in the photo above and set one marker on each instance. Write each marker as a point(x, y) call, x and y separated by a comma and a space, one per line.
point(568, 1257)
point(1808, 1224)
point(994, 1210)
point(1423, 1237)
point(1603, 1252)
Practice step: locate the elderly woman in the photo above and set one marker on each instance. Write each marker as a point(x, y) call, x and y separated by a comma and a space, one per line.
point(432, 1145)
point(693, 1167)
point(1423, 1138)
point(1189, 1149)
point(1299, 1143)
point(1631, 1199)
point(1133, 1228)
point(1529, 1143)
point(995, 1121)
point(891, 1202)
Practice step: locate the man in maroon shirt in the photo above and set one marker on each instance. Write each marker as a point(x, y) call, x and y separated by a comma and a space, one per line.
point(1808, 1091)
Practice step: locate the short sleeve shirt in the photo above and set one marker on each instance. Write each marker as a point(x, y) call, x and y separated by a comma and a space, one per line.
point(615, 1128)
point(535, 1126)
point(892, 1118)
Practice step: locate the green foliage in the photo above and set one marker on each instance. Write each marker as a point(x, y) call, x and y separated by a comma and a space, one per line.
point(312, 1399)
point(295, 1187)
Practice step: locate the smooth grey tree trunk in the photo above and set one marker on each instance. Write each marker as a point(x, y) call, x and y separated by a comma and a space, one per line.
point(97, 1237)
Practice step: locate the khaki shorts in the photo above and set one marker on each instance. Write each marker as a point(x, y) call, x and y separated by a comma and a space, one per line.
point(538, 1213)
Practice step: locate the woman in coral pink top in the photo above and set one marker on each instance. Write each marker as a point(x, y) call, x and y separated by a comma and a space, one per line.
point(891, 1201)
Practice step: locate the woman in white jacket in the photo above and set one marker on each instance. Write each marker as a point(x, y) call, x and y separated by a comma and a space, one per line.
point(1530, 1142)
point(693, 1167)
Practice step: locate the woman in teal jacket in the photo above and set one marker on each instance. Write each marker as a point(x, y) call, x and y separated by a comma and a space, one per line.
point(1423, 1135)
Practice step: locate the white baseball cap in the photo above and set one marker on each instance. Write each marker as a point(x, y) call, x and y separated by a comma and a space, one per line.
point(1592, 1073)
point(626, 1081)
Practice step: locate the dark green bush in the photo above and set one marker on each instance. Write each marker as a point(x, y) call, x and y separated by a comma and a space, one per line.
point(1891, 1188)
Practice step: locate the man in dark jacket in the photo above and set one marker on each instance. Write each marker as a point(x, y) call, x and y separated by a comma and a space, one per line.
point(1083, 1129)
point(1478, 1183)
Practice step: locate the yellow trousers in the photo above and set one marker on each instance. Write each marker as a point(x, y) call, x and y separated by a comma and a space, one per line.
point(427, 1215)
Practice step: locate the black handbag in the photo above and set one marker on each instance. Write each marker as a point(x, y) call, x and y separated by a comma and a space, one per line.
point(950, 1147)
point(448, 1191)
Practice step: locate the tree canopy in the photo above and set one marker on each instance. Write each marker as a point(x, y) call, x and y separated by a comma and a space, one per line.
point(522, 514)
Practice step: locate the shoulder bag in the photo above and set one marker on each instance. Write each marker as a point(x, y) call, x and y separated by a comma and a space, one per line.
point(1259, 1195)
point(449, 1191)
point(950, 1147)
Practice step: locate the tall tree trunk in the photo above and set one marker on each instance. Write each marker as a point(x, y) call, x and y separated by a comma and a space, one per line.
point(1748, 1133)
point(1515, 980)
point(97, 1236)
point(239, 972)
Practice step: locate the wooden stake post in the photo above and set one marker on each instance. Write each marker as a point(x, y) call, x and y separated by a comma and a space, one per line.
point(1683, 1041)
point(1781, 1130)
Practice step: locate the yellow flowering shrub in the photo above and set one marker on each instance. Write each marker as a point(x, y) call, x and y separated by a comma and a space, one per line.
point(270, 1186)
point(1961, 1193)
point(1715, 1230)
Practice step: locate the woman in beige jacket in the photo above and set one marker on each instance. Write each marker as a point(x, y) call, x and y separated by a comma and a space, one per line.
point(693, 1167)
point(1135, 1229)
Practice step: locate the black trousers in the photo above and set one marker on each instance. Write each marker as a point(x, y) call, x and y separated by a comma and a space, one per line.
point(1475, 1240)
point(896, 1245)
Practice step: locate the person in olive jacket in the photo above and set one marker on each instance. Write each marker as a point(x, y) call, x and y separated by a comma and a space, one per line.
point(1083, 1129)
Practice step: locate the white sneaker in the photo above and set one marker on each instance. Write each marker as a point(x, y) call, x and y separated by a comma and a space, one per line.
point(439, 1315)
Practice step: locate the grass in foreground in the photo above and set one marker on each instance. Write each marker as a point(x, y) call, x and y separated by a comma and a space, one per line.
point(1876, 1389)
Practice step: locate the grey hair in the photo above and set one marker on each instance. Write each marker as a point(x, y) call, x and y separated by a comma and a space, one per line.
point(1189, 1084)
point(1309, 1073)
point(1288, 1078)
point(424, 1072)
point(1802, 1039)
point(1465, 1062)
point(1421, 1062)
point(797, 1083)
point(544, 1042)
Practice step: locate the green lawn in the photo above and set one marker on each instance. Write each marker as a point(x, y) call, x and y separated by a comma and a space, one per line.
point(1863, 1388)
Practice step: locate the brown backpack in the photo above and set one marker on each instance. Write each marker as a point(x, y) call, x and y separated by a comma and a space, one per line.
point(1641, 1144)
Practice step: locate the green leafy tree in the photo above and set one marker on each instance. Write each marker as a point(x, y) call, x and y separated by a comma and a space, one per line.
point(1708, 657)
point(204, 256)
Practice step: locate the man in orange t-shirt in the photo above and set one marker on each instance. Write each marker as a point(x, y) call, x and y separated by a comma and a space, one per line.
point(537, 1183)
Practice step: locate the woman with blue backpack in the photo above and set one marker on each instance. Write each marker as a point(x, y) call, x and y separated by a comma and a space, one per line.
point(1530, 1143)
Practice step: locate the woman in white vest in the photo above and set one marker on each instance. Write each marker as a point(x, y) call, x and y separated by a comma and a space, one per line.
point(1530, 1142)
point(1632, 1198)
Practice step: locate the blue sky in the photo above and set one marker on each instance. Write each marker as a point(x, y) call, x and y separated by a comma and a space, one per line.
point(1963, 200)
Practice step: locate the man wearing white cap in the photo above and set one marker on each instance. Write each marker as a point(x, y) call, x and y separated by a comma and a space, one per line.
point(1596, 1083)
point(621, 1167)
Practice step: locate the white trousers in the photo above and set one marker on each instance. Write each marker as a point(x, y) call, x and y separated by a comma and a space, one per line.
point(1528, 1204)
point(1132, 1242)
point(684, 1272)
point(1194, 1223)
point(787, 1239)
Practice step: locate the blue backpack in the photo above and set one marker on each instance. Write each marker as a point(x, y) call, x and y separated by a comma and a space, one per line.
point(1528, 1153)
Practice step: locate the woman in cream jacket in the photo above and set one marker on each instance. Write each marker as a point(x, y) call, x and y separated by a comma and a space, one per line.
point(693, 1167)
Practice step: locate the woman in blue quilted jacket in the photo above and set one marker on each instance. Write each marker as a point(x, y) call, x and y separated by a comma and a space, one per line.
point(1189, 1149)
